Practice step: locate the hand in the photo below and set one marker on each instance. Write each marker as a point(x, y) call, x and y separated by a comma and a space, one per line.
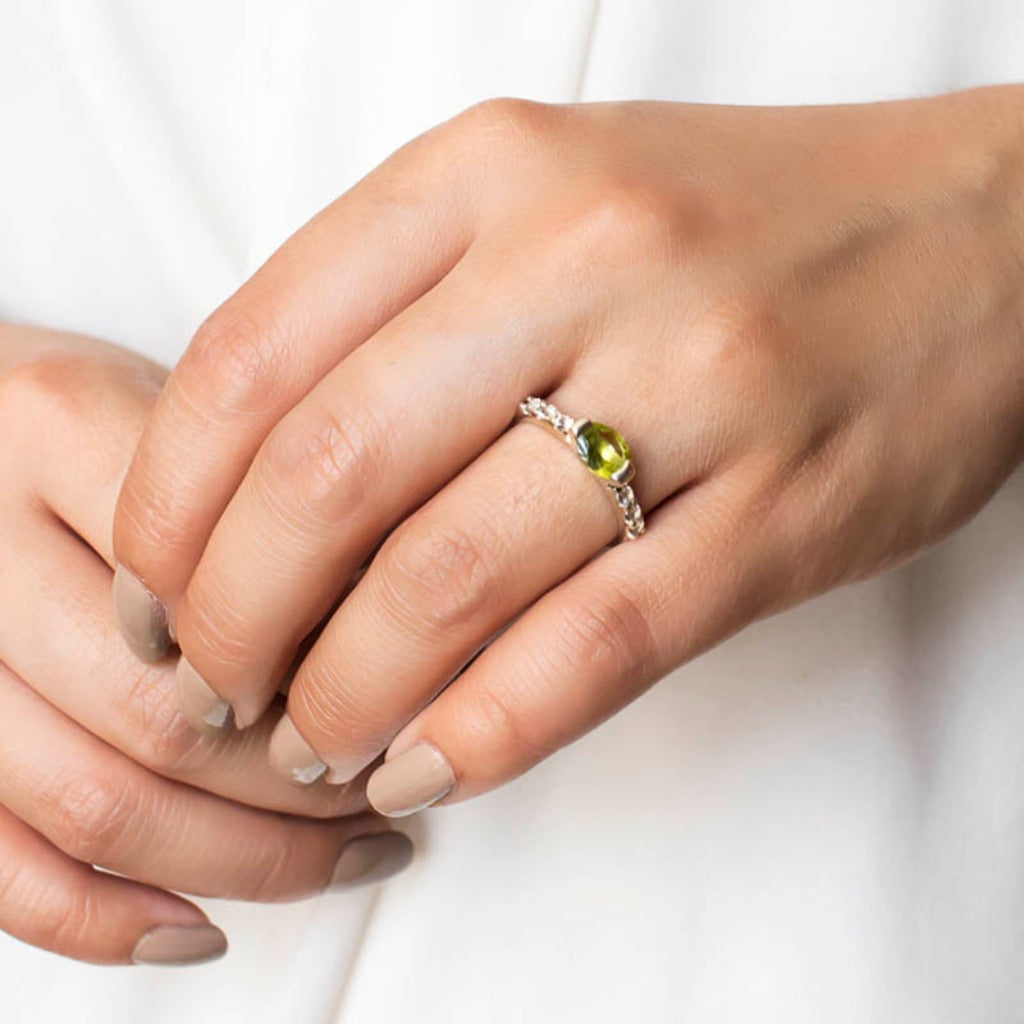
point(97, 765)
point(807, 322)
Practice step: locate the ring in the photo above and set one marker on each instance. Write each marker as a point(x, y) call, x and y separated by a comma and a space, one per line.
point(602, 449)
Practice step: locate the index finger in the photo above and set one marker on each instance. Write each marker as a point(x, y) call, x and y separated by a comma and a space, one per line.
point(363, 259)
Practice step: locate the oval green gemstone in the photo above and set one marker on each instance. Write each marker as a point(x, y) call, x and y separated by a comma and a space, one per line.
point(603, 449)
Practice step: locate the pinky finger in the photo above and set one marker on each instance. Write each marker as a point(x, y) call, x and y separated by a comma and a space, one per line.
point(49, 900)
point(584, 651)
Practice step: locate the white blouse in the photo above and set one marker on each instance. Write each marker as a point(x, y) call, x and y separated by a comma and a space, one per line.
point(821, 820)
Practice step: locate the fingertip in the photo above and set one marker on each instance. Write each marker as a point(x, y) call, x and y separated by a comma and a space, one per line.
point(411, 781)
point(206, 711)
point(369, 859)
point(334, 777)
point(292, 757)
point(247, 710)
point(180, 945)
point(141, 616)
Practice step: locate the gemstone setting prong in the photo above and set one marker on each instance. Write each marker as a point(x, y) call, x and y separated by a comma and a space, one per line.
point(602, 449)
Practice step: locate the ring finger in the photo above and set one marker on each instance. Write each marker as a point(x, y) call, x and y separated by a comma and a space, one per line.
point(520, 519)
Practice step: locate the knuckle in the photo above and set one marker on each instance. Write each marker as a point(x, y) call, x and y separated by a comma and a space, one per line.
point(272, 874)
point(346, 717)
point(606, 632)
point(438, 576)
point(161, 737)
point(48, 385)
point(60, 917)
point(621, 217)
point(153, 528)
point(466, 150)
point(216, 630)
point(273, 868)
point(239, 358)
point(13, 875)
point(322, 466)
point(71, 921)
point(505, 120)
point(90, 816)
point(504, 710)
point(738, 333)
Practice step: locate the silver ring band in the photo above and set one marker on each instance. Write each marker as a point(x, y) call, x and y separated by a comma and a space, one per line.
point(600, 448)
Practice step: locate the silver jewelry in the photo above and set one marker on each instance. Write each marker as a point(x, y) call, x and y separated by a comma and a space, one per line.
point(602, 449)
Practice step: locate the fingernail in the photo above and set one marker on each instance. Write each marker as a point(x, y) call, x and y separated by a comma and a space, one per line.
point(248, 709)
point(292, 756)
point(334, 777)
point(415, 779)
point(206, 711)
point(174, 945)
point(141, 616)
point(341, 772)
point(368, 859)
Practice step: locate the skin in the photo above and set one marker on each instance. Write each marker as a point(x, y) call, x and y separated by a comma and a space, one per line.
point(97, 764)
point(806, 321)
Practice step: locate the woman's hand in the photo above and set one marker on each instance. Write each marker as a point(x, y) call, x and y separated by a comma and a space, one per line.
point(97, 765)
point(806, 321)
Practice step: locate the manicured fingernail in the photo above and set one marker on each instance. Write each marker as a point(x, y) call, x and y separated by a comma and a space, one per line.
point(206, 711)
point(141, 616)
point(292, 756)
point(341, 772)
point(248, 710)
point(368, 859)
point(174, 945)
point(415, 779)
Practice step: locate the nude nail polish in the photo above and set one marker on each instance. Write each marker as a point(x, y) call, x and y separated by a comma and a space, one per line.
point(339, 777)
point(141, 616)
point(292, 756)
point(206, 711)
point(411, 781)
point(373, 858)
point(341, 771)
point(177, 945)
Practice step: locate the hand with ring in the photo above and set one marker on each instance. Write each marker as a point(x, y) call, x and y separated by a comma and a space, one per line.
point(802, 326)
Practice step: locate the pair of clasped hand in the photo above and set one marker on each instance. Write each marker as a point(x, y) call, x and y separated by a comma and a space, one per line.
point(805, 321)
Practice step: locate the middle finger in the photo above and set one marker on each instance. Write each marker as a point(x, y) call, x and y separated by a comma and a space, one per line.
point(523, 517)
point(364, 449)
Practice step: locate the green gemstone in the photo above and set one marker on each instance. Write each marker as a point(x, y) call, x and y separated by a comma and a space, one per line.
point(603, 449)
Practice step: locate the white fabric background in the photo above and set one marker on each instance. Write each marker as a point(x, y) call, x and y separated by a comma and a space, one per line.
point(821, 820)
